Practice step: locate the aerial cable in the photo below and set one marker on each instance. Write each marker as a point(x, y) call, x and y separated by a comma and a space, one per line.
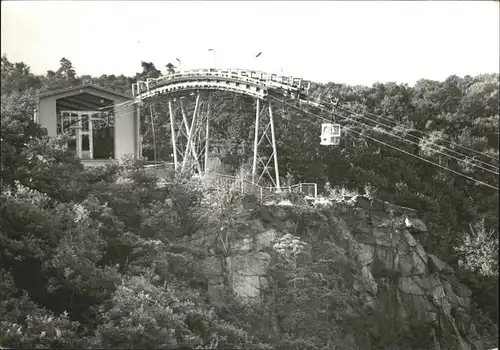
point(404, 139)
point(426, 134)
point(429, 142)
point(115, 117)
point(350, 110)
point(334, 108)
point(450, 142)
point(398, 149)
point(416, 143)
point(471, 162)
point(428, 161)
point(111, 105)
point(154, 137)
point(433, 143)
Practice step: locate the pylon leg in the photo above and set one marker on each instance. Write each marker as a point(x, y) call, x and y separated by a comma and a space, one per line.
point(191, 141)
point(172, 135)
point(207, 133)
point(190, 133)
point(256, 141)
point(261, 162)
point(275, 151)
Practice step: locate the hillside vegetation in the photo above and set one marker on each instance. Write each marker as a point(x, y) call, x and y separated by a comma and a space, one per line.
point(86, 261)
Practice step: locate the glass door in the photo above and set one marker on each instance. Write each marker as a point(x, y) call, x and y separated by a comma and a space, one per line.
point(78, 126)
point(85, 136)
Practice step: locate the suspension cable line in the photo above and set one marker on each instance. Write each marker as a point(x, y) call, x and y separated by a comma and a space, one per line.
point(115, 117)
point(430, 142)
point(416, 143)
point(419, 138)
point(393, 147)
point(349, 110)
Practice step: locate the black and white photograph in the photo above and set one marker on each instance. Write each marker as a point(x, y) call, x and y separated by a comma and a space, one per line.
point(289, 175)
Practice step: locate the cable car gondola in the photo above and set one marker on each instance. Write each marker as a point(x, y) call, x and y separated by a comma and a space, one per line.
point(330, 134)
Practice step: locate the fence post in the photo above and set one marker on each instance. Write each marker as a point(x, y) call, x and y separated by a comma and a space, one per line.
point(261, 194)
point(316, 191)
point(300, 187)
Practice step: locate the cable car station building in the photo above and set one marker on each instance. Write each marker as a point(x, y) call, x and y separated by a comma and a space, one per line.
point(102, 129)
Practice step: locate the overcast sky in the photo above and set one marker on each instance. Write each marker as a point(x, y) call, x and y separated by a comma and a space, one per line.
point(350, 42)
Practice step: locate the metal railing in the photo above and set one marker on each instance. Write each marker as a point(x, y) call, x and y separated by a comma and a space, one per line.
point(252, 76)
point(232, 183)
point(308, 189)
point(164, 171)
point(151, 89)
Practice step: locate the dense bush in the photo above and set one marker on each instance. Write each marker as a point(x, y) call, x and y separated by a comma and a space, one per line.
point(101, 258)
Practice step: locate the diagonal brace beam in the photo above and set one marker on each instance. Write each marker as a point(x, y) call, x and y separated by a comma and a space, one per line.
point(190, 145)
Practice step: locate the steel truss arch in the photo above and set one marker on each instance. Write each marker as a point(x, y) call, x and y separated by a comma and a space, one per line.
point(247, 82)
point(190, 134)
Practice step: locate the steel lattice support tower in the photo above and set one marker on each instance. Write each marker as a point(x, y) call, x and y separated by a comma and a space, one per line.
point(190, 137)
point(264, 127)
point(190, 132)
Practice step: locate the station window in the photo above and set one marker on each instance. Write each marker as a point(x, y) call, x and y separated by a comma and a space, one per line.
point(92, 133)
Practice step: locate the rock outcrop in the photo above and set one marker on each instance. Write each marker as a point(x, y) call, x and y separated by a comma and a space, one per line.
point(385, 240)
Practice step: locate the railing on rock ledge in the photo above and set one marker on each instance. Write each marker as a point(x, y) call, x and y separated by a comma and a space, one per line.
point(232, 183)
point(309, 190)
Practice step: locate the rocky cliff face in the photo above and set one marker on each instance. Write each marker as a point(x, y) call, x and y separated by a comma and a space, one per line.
point(387, 242)
point(384, 240)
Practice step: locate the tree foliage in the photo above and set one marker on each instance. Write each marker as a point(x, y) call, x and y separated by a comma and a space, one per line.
point(98, 258)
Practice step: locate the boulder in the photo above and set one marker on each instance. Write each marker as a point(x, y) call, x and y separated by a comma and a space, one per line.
point(212, 270)
point(279, 212)
point(249, 201)
point(256, 225)
point(460, 289)
point(290, 226)
point(381, 219)
point(384, 263)
point(411, 285)
point(364, 253)
point(241, 245)
point(245, 274)
point(264, 239)
point(370, 283)
point(415, 225)
point(436, 265)
point(411, 264)
point(366, 239)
